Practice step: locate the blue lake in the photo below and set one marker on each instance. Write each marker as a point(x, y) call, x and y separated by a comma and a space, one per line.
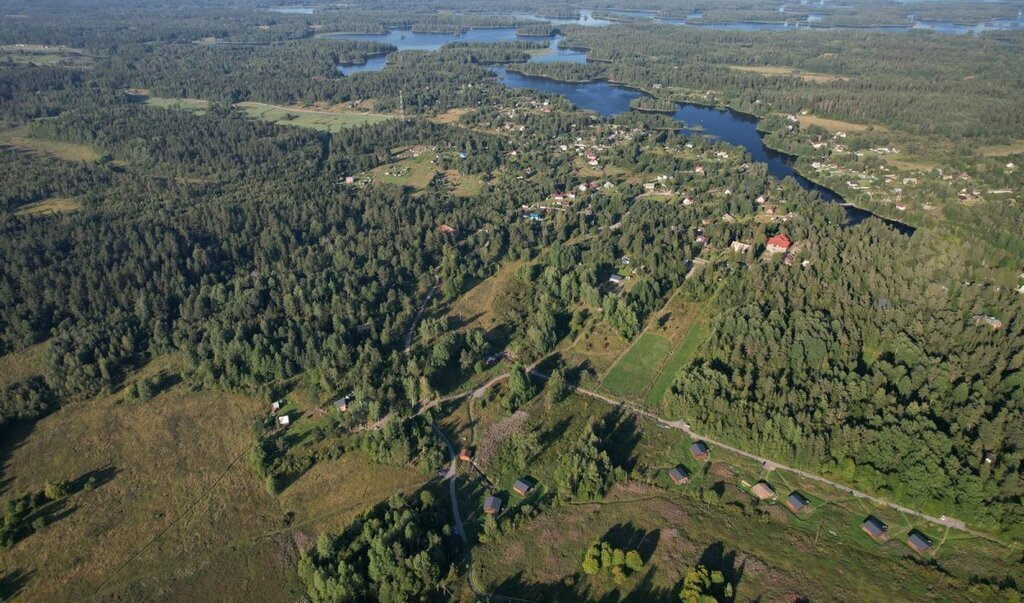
point(405, 39)
point(733, 127)
point(411, 41)
point(293, 10)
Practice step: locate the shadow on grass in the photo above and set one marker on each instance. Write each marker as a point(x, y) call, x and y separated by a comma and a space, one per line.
point(628, 537)
point(645, 590)
point(12, 582)
point(12, 438)
point(715, 557)
point(620, 438)
point(95, 478)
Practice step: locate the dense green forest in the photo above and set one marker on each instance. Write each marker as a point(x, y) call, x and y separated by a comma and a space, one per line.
point(269, 258)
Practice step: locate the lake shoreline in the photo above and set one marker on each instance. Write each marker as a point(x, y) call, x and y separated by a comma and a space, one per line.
point(899, 225)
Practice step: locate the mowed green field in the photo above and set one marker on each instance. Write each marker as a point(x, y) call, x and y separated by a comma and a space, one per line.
point(647, 370)
point(632, 374)
point(326, 121)
point(682, 356)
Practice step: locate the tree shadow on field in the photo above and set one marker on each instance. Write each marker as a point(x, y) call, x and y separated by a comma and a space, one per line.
point(645, 590)
point(622, 434)
point(715, 557)
point(627, 536)
point(561, 591)
point(12, 582)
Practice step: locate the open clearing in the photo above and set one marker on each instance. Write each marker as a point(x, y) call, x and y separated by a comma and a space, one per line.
point(834, 125)
point(22, 365)
point(1002, 150)
point(631, 375)
point(325, 121)
point(325, 118)
point(19, 139)
point(42, 55)
point(196, 105)
point(809, 76)
point(414, 172)
point(765, 550)
point(647, 370)
point(53, 205)
point(475, 308)
point(179, 513)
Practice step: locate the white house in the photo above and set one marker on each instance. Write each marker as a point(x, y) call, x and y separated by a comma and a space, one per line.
point(283, 420)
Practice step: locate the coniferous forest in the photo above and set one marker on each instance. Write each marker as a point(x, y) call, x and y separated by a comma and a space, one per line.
point(493, 310)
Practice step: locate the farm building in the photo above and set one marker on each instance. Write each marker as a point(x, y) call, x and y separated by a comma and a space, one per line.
point(492, 505)
point(797, 502)
point(875, 528)
point(465, 455)
point(919, 542)
point(283, 420)
point(616, 279)
point(276, 406)
point(679, 475)
point(763, 490)
point(522, 487)
point(700, 451)
point(778, 244)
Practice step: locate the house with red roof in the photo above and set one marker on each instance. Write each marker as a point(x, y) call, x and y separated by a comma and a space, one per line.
point(778, 244)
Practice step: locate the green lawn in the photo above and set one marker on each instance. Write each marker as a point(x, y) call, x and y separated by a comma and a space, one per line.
point(682, 356)
point(632, 374)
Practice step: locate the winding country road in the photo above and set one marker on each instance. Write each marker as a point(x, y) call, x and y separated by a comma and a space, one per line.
point(683, 426)
point(948, 522)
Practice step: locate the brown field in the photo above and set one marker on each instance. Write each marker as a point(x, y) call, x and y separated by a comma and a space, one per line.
point(53, 205)
point(809, 76)
point(179, 514)
point(1002, 150)
point(451, 116)
point(22, 365)
point(475, 309)
point(19, 139)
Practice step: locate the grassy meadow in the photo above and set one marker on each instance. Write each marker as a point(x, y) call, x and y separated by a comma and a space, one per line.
point(765, 550)
point(178, 512)
point(325, 121)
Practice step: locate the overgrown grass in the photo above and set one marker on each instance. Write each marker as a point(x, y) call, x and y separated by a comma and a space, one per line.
point(178, 509)
point(766, 550)
point(325, 121)
point(682, 356)
point(53, 205)
point(195, 105)
point(19, 138)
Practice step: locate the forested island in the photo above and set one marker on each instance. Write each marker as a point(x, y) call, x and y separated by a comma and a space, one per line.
point(451, 301)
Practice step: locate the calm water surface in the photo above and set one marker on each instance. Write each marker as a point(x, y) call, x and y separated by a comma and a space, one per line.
point(733, 127)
